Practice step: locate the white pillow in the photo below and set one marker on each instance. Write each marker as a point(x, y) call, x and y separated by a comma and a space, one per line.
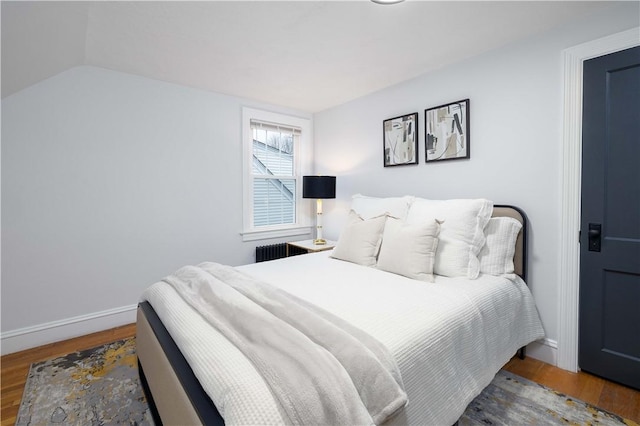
point(369, 207)
point(496, 257)
point(409, 250)
point(461, 233)
point(360, 240)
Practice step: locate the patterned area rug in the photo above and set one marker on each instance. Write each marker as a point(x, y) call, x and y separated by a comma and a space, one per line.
point(101, 386)
point(512, 400)
point(98, 386)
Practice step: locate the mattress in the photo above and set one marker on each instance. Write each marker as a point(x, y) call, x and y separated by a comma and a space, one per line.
point(449, 337)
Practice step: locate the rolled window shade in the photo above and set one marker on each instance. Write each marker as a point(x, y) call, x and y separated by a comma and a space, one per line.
point(274, 127)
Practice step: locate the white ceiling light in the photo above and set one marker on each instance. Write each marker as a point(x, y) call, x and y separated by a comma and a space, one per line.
point(387, 1)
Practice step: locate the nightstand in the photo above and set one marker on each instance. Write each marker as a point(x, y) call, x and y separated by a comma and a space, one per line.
point(307, 246)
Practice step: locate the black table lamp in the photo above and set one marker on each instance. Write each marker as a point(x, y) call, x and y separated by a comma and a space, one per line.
point(319, 187)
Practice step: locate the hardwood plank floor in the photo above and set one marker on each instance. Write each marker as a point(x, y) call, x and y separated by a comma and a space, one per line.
point(602, 393)
point(609, 396)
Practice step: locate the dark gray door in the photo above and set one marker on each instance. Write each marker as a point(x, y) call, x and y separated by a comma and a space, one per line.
point(610, 223)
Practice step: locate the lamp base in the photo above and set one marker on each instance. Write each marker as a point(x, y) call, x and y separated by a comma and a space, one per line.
point(319, 241)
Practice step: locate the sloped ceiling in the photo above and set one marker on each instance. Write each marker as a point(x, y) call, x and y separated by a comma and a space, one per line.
point(307, 55)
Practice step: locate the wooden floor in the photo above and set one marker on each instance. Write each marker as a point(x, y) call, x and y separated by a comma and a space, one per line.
point(612, 397)
point(602, 393)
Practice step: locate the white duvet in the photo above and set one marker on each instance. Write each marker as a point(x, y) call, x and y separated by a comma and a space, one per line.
point(449, 337)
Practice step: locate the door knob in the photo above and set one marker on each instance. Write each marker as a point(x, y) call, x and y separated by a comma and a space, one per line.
point(595, 234)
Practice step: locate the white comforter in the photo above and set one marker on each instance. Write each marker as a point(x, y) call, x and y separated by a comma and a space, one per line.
point(449, 337)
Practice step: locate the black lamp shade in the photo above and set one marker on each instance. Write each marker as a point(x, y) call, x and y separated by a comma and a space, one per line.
point(318, 187)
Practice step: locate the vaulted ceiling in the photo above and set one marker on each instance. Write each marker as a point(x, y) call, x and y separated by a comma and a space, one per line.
point(307, 55)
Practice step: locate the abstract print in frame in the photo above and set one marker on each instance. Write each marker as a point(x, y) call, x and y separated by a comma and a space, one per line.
point(447, 132)
point(401, 140)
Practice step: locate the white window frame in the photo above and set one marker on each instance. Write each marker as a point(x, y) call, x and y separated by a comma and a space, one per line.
point(302, 166)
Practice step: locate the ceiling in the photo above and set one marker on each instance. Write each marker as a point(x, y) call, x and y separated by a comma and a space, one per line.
point(306, 55)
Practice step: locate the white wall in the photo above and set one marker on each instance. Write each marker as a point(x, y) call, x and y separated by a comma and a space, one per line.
point(516, 134)
point(110, 182)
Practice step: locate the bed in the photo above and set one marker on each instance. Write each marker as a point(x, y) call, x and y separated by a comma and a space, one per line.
point(448, 337)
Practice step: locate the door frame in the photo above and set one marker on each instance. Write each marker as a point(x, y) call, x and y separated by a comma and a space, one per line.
point(573, 59)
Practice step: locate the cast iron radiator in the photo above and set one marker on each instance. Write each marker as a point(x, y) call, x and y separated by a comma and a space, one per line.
point(276, 251)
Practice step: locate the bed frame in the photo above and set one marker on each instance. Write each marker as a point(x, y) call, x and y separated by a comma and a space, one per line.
point(174, 393)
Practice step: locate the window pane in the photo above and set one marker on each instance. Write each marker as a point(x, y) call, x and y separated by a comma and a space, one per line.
point(273, 201)
point(259, 134)
point(273, 155)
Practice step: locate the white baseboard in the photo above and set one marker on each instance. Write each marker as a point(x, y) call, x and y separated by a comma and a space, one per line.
point(55, 331)
point(545, 350)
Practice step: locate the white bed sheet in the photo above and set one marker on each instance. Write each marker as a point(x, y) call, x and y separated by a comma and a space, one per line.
point(449, 337)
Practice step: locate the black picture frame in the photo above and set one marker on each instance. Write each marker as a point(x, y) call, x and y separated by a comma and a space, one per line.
point(400, 140)
point(447, 132)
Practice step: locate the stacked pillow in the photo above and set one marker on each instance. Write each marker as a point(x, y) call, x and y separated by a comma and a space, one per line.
point(461, 236)
point(496, 257)
point(360, 239)
point(418, 238)
point(368, 207)
point(409, 249)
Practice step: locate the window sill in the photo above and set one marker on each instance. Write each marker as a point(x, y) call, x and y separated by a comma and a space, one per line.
point(265, 234)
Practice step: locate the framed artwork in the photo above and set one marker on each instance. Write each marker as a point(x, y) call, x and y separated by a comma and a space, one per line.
point(447, 132)
point(400, 136)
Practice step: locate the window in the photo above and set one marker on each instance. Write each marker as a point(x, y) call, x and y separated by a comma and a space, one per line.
point(274, 181)
point(276, 151)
